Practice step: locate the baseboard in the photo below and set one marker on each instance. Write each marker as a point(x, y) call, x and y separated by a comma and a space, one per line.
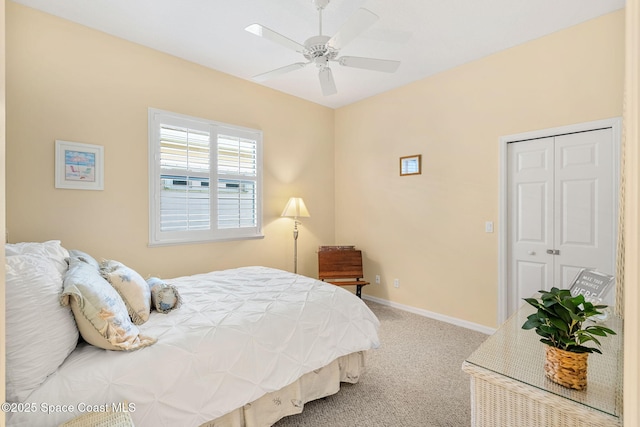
point(430, 314)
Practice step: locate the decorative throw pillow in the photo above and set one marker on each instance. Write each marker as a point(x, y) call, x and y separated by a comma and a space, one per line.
point(51, 250)
point(84, 257)
point(164, 297)
point(132, 288)
point(99, 311)
point(40, 333)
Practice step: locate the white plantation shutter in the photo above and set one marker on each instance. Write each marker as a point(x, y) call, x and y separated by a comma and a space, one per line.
point(205, 180)
point(237, 175)
point(184, 163)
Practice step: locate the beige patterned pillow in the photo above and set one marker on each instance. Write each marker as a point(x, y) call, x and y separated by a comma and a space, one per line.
point(132, 288)
point(100, 313)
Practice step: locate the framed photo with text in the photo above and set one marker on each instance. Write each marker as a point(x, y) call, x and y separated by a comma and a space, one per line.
point(592, 284)
point(79, 166)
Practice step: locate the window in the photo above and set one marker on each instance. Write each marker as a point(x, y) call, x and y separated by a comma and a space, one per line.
point(204, 180)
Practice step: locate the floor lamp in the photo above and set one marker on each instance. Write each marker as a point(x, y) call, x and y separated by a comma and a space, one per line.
point(295, 209)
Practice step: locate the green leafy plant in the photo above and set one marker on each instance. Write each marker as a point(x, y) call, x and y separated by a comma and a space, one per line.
point(560, 319)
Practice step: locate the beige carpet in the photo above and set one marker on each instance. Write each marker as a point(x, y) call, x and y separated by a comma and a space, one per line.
point(413, 380)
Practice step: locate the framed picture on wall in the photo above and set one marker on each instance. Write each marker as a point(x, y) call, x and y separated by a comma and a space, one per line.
point(411, 165)
point(79, 166)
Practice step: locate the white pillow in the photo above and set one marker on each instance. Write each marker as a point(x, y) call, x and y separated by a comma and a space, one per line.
point(40, 333)
point(51, 250)
point(132, 288)
point(99, 311)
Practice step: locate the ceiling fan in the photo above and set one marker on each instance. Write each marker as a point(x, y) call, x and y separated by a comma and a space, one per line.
point(321, 49)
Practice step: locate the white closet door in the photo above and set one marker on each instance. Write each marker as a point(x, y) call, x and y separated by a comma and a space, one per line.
point(561, 211)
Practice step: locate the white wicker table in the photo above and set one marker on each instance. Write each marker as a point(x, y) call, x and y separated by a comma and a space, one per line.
point(509, 388)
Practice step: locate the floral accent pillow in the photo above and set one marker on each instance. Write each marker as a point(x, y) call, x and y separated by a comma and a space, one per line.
point(164, 297)
point(100, 313)
point(84, 257)
point(132, 288)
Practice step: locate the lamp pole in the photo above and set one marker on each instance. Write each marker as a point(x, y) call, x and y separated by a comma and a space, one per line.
point(295, 209)
point(295, 245)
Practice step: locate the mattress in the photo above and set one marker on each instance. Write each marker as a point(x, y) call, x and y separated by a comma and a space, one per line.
point(239, 334)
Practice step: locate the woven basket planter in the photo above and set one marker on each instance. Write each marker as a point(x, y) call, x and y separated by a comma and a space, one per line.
point(566, 368)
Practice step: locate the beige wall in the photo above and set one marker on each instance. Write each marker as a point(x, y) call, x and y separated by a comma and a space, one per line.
point(68, 82)
point(428, 230)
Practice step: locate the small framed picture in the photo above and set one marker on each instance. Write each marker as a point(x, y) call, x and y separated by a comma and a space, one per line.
point(79, 166)
point(411, 165)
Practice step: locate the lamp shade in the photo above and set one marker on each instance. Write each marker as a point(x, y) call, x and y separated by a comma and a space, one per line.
point(295, 208)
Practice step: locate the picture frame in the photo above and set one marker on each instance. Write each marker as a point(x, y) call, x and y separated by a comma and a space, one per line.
point(411, 165)
point(79, 166)
point(592, 284)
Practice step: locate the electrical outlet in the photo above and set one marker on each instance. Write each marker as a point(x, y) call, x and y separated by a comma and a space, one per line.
point(396, 283)
point(377, 279)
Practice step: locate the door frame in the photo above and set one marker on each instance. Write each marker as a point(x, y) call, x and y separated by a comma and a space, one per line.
point(614, 123)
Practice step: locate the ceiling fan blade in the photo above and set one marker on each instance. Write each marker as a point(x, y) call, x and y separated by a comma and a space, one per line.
point(384, 65)
point(267, 33)
point(356, 24)
point(326, 82)
point(278, 72)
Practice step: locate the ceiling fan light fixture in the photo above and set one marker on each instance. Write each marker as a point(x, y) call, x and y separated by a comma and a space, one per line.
point(321, 61)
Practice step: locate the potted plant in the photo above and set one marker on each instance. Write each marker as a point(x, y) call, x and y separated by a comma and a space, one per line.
point(560, 321)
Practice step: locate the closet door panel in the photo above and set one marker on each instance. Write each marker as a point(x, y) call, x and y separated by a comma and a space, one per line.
point(530, 218)
point(584, 217)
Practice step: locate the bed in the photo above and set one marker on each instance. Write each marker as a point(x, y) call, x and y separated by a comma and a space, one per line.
point(246, 347)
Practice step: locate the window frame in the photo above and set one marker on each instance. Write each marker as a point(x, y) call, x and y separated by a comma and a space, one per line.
point(157, 237)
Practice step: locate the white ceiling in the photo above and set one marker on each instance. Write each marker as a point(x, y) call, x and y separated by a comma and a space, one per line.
point(428, 36)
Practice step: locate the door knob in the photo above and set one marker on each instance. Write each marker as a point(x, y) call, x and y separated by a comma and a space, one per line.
point(553, 251)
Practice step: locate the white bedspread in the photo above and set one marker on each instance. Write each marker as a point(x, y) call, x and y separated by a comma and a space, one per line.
point(239, 334)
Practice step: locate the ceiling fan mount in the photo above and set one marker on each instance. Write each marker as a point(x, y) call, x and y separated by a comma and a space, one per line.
point(320, 4)
point(321, 49)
